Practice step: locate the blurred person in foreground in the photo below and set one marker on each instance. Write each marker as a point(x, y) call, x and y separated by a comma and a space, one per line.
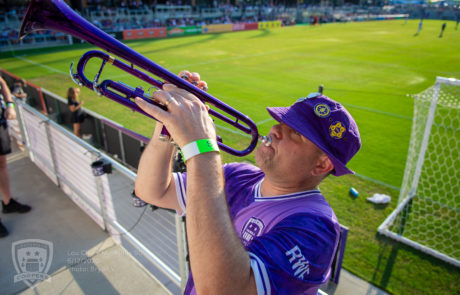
point(9, 205)
point(75, 103)
point(251, 230)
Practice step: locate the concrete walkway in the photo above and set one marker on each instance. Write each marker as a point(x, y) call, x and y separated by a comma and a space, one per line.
point(84, 260)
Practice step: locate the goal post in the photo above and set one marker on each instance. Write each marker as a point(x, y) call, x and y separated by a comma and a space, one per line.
point(427, 216)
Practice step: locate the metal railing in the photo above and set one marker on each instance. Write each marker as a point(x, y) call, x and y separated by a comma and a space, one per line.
point(154, 237)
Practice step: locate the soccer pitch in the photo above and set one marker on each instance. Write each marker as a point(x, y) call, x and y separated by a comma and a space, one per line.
point(372, 68)
point(369, 67)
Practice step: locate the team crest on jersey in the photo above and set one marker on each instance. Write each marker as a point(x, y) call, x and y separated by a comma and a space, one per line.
point(336, 130)
point(322, 110)
point(251, 229)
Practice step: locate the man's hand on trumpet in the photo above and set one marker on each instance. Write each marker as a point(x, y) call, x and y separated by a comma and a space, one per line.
point(186, 117)
point(194, 78)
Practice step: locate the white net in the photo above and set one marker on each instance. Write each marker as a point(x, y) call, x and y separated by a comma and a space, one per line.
point(428, 212)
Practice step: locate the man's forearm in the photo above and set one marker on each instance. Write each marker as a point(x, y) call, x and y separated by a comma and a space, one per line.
point(154, 170)
point(219, 262)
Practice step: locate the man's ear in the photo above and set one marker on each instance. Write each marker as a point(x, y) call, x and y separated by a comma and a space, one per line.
point(323, 165)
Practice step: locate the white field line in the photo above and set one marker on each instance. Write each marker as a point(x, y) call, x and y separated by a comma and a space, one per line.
point(41, 65)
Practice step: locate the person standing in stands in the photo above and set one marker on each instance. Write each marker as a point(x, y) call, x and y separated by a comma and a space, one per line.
point(18, 90)
point(251, 230)
point(9, 205)
point(75, 104)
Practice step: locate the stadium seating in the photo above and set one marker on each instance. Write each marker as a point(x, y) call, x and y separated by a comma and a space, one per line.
point(118, 19)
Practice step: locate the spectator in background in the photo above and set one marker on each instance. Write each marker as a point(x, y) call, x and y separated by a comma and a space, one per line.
point(9, 205)
point(443, 27)
point(18, 90)
point(75, 104)
point(420, 26)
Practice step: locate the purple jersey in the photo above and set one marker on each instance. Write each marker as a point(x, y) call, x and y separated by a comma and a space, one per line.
point(291, 239)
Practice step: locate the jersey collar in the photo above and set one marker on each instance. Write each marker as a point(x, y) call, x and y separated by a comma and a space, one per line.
point(297, 195)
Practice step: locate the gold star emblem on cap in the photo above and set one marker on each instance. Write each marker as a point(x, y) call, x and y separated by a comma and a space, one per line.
point(337, 130)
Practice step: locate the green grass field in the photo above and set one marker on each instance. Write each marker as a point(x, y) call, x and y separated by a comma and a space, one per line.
point(369, 67)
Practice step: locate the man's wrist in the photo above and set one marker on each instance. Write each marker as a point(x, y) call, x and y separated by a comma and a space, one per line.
point(10, 104)
point(200, 146)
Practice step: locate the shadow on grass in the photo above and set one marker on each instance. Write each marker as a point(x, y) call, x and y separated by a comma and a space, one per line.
point(210, 37)
point(388, 261)
point(262, 34)
point(379, 206)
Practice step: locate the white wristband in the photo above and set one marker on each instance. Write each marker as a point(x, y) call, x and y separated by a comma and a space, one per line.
point(199, 147)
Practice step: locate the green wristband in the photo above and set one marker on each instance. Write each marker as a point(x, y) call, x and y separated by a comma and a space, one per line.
point(10, 104)
point(199, 147)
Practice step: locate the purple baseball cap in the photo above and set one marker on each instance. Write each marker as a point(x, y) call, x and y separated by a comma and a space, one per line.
point(327, 124)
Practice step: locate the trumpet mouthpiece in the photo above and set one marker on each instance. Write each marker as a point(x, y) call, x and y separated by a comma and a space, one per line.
point(267, 140)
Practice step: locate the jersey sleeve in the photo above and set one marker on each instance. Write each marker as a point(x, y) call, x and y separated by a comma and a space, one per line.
point(180, 181)
point(295, 256)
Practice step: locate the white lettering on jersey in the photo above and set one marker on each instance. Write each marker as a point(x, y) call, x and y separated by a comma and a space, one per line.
point(299, 263)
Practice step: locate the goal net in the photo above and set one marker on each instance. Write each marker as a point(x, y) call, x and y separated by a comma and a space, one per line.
point(428, 212)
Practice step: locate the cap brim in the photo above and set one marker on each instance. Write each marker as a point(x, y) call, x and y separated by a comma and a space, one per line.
point(280, 115)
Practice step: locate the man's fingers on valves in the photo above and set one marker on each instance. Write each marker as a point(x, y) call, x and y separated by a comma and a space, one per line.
point(194, 78)
point(151, 109)
point(179, 93)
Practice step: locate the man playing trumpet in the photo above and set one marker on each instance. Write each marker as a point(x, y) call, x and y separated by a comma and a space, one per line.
point(251, 230)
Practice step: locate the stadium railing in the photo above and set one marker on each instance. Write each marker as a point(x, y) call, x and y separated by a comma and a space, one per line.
point(164, 12)
point(47, 39)
point(102, 185)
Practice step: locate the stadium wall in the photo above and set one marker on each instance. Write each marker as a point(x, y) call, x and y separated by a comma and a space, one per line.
point(163, 32)
point(144, 33)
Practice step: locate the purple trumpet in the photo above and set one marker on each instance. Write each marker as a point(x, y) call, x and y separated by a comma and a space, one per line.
point(58, 16)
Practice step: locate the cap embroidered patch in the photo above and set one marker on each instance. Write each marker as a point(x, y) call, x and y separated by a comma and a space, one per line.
point(322, 110)
point(336, 130)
